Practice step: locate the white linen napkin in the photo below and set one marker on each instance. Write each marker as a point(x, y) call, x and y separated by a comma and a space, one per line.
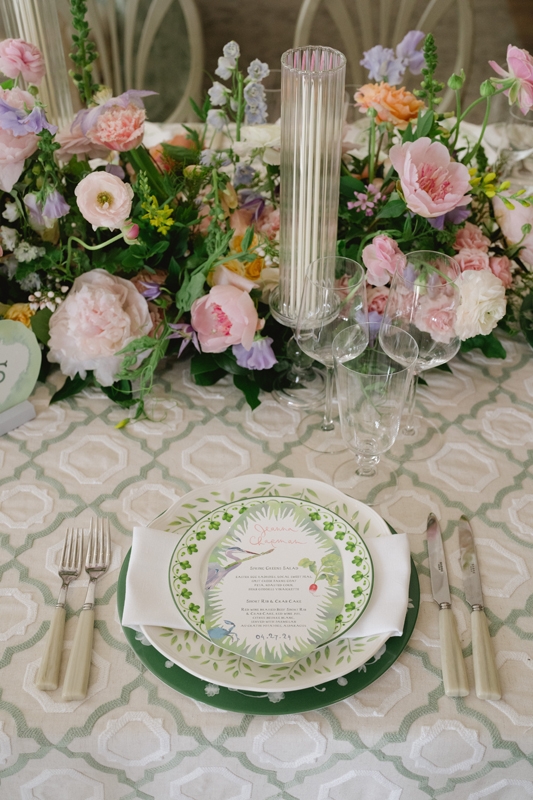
point(149, 602)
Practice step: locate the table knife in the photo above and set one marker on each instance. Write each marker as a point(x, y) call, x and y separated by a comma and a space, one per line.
point(453, 665)
point(485, 672)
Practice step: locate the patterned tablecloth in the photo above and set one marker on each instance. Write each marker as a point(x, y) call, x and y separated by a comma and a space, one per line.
point(133, 737)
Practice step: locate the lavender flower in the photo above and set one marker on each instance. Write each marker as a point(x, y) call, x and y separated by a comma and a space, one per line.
point(254, 93)
point(55, 206)
point(259, 356)
point(225, 68)
point(258, 70)
point(455, 216)
point(115, 169)
point(182, 330)
point(249, 200)
point(412, 58)
point(218, 94)
point(244, 175)
point(382, 65)
point(20, 123)
point(231, 50)
point(151, 291)
point(255, 114)
point(213, 158)
point(217, 119)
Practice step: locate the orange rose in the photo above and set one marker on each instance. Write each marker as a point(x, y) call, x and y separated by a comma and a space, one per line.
point(254, 269)
point(392, 105)
point(20, 312)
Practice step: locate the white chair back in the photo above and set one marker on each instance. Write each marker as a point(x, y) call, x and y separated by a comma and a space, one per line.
point(359, 29)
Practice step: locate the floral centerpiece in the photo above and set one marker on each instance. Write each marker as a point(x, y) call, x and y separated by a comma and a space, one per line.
point(118, 255)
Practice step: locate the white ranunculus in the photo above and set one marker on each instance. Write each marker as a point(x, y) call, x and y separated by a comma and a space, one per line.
point(100, 315)
point(260, 137)
point(482, 303)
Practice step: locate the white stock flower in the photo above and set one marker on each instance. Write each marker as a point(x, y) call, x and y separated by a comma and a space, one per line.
point(28, 252)
point(11, 212)
point(8, 237)
point(482, 303)
point(265, 138)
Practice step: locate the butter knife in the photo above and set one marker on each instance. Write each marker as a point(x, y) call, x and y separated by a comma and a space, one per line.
point(453, 665)
point(485, 672)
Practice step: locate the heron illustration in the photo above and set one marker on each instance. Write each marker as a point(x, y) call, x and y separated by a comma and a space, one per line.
point(216, 572)
point(221, 633)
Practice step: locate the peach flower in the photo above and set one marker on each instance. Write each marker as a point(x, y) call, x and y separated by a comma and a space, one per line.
point(240, 220)
point(436, 317)
point(225, 316)
point(104, 200)
point(431, 183)
point(18, 57)
point(392, 105)
point(164, 163)
point(268, 222)
point(20, 312)
point(231, 274)
point(472, 258)
point(14, 150)
point(377, 298)
point(119, 128)
point(471, 236)
point(501, 267)
point(382, 258)
point(74, 143)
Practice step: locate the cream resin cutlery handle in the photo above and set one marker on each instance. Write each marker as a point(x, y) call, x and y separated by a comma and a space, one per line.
point(485, 672)
point(48, 675)
point(79, 663)
point(453, 665)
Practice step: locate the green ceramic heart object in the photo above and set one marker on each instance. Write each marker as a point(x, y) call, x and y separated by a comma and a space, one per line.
point(20, 362)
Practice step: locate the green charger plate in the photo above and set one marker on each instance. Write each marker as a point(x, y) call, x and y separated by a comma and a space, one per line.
point(271, 703)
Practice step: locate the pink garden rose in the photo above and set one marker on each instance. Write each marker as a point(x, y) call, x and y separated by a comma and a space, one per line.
point(519, 77)
point(436, 317)
point(14, 150)
point(511, 222)
point(377, 299)
point(226, 277)
point(225, 316)
point(501, 267)
point(104, 200)
point(74, 143)
point(18, 57)
point(432, 183)
point(382, 258)
point(119, 128)
point(471, 236)
point(472, 258)
point(100, 315)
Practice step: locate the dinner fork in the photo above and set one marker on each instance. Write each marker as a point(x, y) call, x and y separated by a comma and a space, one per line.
point(70, 567)
point(96, 564)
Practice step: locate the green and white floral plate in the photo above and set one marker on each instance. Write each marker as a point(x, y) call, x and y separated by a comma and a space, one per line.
point(187, 567)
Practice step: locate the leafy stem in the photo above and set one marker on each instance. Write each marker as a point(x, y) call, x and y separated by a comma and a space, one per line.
point(84, 52)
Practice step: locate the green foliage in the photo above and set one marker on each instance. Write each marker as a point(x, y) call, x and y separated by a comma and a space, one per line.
point(490, 346)
point(71, 387)
point(84, 52)
point(526, 318)
point(40, 324)
point(429, 87)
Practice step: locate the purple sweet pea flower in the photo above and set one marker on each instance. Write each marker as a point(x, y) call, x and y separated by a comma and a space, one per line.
point(20, 123)
point(115, 169)
point(406, 51)
point(374, 324)
point(259, 356)
point(182, 330)
point(86, 118)
point(249, 200)
point(382, 64)
point(55, 206)
point(152, 290)
point(455, 216)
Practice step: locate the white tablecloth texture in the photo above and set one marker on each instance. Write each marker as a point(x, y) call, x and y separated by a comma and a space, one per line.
point(134, 737)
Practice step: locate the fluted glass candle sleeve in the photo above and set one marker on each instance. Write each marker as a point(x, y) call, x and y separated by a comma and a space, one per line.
point(312, 107)
point(37, 21)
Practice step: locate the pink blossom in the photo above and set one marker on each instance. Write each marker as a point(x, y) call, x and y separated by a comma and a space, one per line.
point(18, 57)
point(222, 276)
point(472, 258)
point(240, 220)
point(104, 200)
point(382, 258)
point(519, 78)
point(436, 317)
point(268, 222)
point(511, 221)
point(224, 317)
point(472, 237)
point(14, 150)
point(74, 143)
point(377, 299)
point(100, 315)
point(119, 128)
point(501, 267)
point(431, 183)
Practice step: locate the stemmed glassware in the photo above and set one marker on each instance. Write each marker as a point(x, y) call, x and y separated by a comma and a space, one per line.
point(518, 154)
point(371, 391)
point(423, 300)
point(333, 298)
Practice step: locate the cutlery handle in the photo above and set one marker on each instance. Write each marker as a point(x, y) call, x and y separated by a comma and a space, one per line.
point(453, 665)
point(48, 675)
point(485, 672)
point(79, 663)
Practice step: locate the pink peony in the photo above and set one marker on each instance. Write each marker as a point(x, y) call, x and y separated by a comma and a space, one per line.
point(14, 150)
point(377, 299)
point(100, 315)
point(104, 200)
point(436, 317)
point(511, 222)
point(431, 183)
point(471, 236)
point(382, 258)
point(226, 277)
point(18, 57)
point(119, 128)
point(519, 77)
point(501, 267)
point(224, 317)
point(74, 143)
point(472, 258)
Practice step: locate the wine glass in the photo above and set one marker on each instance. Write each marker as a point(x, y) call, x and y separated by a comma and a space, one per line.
point(371, 392)
point(333, 298)
point(519, 151)
point(423, 300)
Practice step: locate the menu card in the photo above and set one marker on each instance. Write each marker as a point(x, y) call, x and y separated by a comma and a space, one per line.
point(274, 585)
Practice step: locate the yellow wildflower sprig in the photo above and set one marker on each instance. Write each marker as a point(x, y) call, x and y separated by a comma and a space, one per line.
point(486, 184)
point(160, 217)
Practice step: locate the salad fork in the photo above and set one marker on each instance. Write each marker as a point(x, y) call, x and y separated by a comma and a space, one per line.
point(70, 567)
point(96, 564)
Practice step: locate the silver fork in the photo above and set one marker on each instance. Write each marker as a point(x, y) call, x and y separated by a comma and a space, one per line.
point(96, 564)
point(70, 567)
